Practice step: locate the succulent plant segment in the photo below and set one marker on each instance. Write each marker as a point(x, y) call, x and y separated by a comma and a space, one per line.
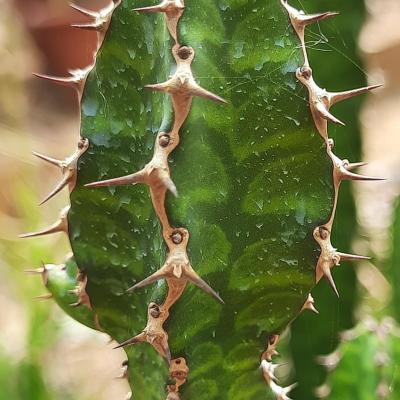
point(370, 352)
point(199, 285)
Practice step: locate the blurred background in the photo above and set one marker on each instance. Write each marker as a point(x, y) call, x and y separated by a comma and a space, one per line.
point(45, 354)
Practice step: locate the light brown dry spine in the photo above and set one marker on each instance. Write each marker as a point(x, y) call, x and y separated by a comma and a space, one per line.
point(61, 225)
point(177, 270)
point(154, 332)
point(68, 169)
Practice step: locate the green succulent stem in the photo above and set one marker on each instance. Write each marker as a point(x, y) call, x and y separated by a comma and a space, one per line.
point(232, 133)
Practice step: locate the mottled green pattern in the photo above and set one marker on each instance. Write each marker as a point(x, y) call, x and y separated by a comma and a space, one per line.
point(254, 181)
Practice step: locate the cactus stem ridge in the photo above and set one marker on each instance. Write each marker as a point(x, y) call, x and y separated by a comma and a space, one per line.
point(68, 169)
point(282, 393)
point(59, 226)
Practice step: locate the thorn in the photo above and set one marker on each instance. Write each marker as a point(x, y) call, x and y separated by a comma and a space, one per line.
point(38, 271)
point(329, 278)
point(141, 338)
point(165, 7)
point(170, 185)
point(53, 161)
point(69, 81)
point(178, 267)
point(351, 257)
point(60, 226)
point(313, 18)
point(352, 166)
point(350, 176)
point(173, 10)
point(101, 19)
point(43, 272)
point(132, 179)
point(182, 84)
point(90, 26)
point(268, 369)
point(341, 96)
point(193, 277)
point(76, 80)
point(300, 20)
point(323, 111)
point(281, 393)
point(83, 11)
point(47, 296)
point(310, 304)
point(60, 186)
point(68, 168)
point(343, 168)
point(154, 333)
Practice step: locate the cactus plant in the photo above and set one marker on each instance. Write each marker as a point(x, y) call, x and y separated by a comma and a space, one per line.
point(202, 283)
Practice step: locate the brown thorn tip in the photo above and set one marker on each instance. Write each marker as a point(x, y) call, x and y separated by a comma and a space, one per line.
point(82, 10)
point(86, 25)
point(357, 177)
point(351, 257)
point(345, 95)
point(352, 166)
point(124, 180)
point(312, 18)
point(329, 278)
point(69, 81)
point(50, 160)
point(43, 297)
point(150, 9)
point(60, 186)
